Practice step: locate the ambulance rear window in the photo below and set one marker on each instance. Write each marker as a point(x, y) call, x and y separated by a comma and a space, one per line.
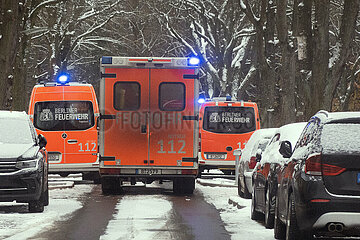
point(63, 115)
point(229, 119)
point(171, 96)
point(126, 96)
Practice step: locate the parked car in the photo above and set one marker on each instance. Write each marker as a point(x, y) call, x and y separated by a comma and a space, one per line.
point(247, 162)
point(265, 176)
point(319, 188)
point(23, 162)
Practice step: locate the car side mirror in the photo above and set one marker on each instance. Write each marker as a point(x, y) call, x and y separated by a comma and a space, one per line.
point(285, 149)
point(258, 155)
point(237, 152)
point(42, 141)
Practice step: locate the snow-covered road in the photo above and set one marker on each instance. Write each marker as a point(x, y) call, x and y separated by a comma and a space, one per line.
point(136, 216)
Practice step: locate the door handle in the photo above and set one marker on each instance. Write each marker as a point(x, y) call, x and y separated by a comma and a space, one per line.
point(143, 129)
point(72, 141)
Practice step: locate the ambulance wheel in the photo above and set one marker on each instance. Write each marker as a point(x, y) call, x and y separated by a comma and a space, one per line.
point(183, 186)
point(110, 186)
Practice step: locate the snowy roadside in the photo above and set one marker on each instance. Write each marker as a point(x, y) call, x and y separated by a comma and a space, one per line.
point(234, 211)
point(16, 223)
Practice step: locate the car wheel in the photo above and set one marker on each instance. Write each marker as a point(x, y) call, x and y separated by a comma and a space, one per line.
point(279, 227)
point(37, 206)
point(247, 194)
point(111, 186)
point(240, 193)
point(292, 230)
point(183, 186)
point(255, 215)
point(269, 214)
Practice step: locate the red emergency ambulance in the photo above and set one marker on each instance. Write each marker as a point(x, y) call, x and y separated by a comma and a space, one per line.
point(66, 114)
point(149, 121)
point(225, 125)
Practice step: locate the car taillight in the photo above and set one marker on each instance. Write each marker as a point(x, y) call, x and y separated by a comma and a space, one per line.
point(332, 170)
point(252, 162)
point(314, 167)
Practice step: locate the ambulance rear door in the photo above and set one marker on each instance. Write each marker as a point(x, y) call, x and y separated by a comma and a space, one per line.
point(172, 117)
point(80, 122)
point(124, 108)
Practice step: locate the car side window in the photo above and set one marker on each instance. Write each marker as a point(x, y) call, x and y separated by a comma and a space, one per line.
point(308, 133)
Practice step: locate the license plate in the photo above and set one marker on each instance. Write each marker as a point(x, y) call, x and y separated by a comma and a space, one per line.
point(147, 171)
point(358, 178)
point(216, 156)
point(54, 157)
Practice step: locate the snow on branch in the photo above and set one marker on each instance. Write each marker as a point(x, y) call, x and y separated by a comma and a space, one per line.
point(43, 4)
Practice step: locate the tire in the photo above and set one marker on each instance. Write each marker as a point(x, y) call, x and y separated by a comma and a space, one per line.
point(255, 215)
point(240, 193)
point(37, 206)
point(279, 227)
point(247, 194)
point(292, 230)
point(110, 186)
point(183, 186)
point(269, 213)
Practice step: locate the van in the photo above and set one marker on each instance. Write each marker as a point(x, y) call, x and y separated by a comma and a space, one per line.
point(225, 125)
point(149, 122)
point(66, 114)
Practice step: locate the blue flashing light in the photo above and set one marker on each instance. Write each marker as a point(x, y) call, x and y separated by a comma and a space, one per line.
point(201, 100)
point(193, 61)
point(63, 78)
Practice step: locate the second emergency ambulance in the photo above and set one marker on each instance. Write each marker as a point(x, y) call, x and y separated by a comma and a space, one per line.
point(66, 114)
point(149, 121)
point(225, 125)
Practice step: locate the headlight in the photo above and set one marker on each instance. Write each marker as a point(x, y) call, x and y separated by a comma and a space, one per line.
point(27, 164)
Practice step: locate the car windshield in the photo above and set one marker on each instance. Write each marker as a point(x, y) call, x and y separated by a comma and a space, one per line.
point(341, 138)
point(15, 131)
point(63, 115)
point(229, 119)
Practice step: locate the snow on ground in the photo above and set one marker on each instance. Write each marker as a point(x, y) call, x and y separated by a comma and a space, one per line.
point(17, 223)
point(140, 217)
point(237, 221)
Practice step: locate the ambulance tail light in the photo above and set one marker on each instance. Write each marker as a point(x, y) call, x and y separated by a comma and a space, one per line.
point(109, 171)
point(189, 172)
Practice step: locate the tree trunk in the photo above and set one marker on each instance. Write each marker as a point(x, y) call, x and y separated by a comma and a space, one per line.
point(320, 57)
point(11, 17)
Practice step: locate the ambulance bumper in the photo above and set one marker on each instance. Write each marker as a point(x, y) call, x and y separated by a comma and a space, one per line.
point(217, 163)
point(153, 172)
point(74, 167)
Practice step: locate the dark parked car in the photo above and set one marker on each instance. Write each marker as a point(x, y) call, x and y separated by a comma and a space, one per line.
point(265, 176)
point(319, 188)
point(23, 162)
point(258, 140)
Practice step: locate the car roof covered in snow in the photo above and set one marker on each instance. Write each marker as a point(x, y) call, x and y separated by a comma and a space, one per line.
point(13, 114)
point(328, 117)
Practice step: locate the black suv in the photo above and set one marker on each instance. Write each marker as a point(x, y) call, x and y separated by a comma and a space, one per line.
point(23, 162)
point(319, 187)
